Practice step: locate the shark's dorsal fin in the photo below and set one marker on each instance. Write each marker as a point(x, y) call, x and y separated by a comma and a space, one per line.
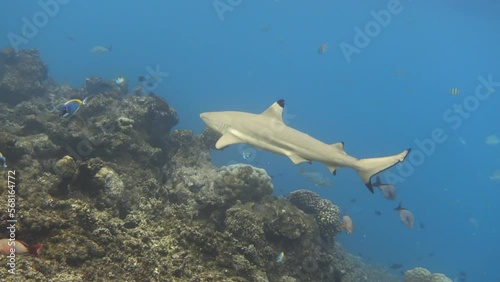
point(339, 146)
point(275, 111)
point(296, 159)
point(226, 140)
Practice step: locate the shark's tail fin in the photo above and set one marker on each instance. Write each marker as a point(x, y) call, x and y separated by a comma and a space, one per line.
point(366, 168)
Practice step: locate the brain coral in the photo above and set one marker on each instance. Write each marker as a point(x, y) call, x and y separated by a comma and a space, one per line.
point(420, 274)
point(327, 215)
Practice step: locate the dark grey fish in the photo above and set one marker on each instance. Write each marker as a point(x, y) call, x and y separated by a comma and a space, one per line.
point(396, 266)
point(387, 190)
point(263, 210)
point(405, 215)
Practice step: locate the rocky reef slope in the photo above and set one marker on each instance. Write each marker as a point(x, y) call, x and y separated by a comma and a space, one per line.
point(115, 195)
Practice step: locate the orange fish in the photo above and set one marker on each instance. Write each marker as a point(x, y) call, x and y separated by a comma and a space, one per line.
point(347, 224)
point(7, 245)
point(405, 215)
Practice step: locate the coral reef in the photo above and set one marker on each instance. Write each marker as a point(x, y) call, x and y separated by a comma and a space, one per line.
point(22, 75)
point(115, 195)
point(327, 214)
point(420, 274)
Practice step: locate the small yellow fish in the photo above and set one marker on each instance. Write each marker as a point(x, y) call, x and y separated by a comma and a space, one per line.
point(454, 91)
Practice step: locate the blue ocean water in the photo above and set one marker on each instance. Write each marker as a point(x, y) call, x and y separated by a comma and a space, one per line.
point(379, 95)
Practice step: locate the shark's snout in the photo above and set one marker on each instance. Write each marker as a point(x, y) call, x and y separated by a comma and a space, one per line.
point(204, 117)
point(208, 119)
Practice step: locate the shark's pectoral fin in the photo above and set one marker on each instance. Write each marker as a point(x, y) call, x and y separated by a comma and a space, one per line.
point(275, 111)
point(226, 140)
point(296, 159)
point(339, 146)
point(332, 169)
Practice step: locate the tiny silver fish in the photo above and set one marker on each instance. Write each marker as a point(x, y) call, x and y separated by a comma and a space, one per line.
point(280, 258)
point(101, 49)
point(319, 179)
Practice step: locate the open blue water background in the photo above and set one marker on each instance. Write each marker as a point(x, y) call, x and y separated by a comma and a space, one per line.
point(387, 96)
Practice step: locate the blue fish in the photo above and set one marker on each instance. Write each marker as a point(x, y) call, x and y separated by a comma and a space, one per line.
point(3, 161)
point(71, 107)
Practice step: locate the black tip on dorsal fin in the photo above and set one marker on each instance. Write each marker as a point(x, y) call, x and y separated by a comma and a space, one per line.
point(281, 102)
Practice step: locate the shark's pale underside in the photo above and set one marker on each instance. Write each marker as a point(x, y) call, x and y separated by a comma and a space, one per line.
point(268, 131)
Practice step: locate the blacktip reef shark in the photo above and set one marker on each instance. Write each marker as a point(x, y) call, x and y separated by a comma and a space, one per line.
point(269, 132)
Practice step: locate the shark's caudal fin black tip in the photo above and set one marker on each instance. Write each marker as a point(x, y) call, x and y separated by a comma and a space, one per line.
point(369, 186)
point(281, 102)
point(368, 167)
